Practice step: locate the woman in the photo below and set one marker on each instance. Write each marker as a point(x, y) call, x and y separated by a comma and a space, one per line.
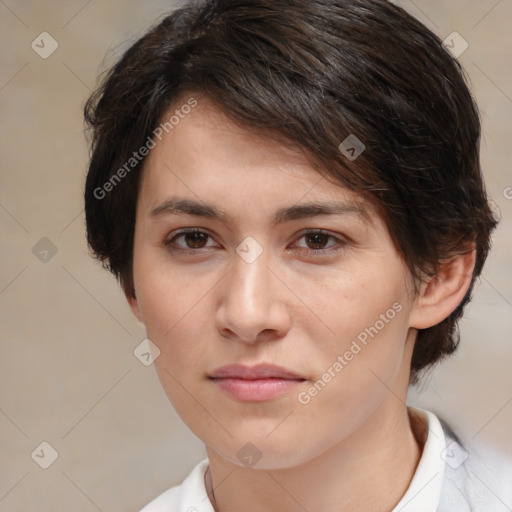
point(291, 197)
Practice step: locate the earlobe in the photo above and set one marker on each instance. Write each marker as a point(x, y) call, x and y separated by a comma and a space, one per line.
point(133, 302)
point(440, 295)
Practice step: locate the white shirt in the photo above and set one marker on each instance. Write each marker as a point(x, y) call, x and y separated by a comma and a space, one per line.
point(447, 479)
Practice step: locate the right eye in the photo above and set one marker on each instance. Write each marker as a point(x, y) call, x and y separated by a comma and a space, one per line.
point(189, 239)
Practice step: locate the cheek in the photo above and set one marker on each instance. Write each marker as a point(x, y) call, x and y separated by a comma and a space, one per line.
point(174, 306)
point(176, 321)
point(357, 305)
point(355, 379)
point(364, 349)
point(166, 293)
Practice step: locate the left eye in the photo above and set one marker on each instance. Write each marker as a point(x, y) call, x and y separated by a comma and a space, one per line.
point(318, 240)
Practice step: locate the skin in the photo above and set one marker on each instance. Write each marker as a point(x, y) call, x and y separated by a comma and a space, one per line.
point(352, 446)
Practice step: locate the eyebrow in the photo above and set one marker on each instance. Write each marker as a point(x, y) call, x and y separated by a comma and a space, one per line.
point(176, 206)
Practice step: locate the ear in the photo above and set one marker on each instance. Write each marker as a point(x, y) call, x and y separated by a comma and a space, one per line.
point(133, 303)
point(440, 295)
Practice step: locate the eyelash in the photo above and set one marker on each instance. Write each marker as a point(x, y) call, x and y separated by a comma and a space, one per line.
point(340, 243)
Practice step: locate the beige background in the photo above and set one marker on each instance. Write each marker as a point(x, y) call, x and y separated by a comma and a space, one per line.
point(68, 374)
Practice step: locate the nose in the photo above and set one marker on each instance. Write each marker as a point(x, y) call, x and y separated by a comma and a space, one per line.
point(252, 305)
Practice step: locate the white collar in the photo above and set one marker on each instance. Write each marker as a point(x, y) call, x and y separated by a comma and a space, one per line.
point(424, 492)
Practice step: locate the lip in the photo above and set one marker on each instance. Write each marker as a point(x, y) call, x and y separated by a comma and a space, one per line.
point(257, 383)
point(258, 371)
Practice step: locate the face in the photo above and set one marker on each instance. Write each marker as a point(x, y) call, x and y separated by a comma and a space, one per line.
point(244, 255)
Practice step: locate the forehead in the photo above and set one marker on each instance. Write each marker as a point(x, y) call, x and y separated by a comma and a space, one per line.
point(209, 158)
point(206, 131)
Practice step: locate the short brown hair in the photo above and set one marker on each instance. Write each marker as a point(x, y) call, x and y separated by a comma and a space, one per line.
point(309, 73)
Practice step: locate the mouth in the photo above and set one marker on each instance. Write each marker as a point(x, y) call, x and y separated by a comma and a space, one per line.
point(257, 383)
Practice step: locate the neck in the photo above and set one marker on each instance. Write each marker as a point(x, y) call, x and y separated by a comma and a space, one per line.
point(369, 471)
